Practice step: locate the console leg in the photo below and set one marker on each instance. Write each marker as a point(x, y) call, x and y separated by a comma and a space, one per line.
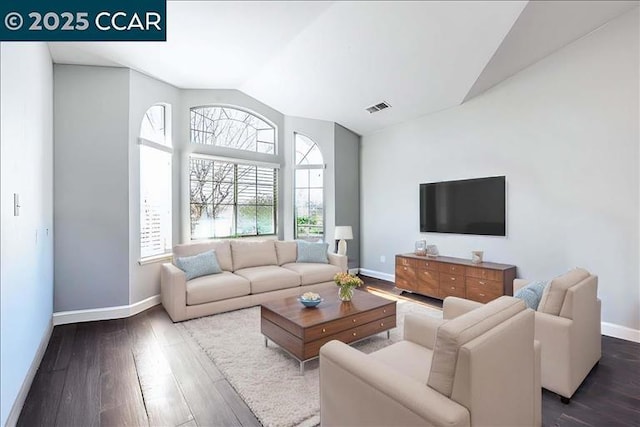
point(266, 342)
point(388, 334)
point(302, 368)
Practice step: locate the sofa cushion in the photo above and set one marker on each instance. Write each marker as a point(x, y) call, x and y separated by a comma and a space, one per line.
point(286, 251)
point(222, 248)
point(312, 252)
point(454, 333)
point(531, 293)
point(416, 359)
point(216, 287)
point(553, 295)
point(253, 254)
point(199, 265)
point(269, 278)
point(312, 273)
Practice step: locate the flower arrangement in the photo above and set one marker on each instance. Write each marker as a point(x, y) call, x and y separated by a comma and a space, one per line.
point(346, 283)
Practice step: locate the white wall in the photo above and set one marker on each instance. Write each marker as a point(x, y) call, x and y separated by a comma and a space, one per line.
point(565, 133)
point(144, 91)
point(26, 260)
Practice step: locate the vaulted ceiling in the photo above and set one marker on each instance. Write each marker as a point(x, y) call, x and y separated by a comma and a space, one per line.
point(332, 60)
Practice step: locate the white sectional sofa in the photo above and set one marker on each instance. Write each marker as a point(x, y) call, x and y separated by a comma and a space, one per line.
point(252, 272)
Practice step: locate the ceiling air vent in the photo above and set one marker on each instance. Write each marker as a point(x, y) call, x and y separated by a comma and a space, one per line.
point(378, 107)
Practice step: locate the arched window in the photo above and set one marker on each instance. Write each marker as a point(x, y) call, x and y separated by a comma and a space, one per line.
point(309, 190)
point(232, 128)
point(155, 181)
point(231, 197)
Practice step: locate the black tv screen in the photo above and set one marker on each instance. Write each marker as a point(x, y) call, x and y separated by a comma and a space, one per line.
point(471, 206)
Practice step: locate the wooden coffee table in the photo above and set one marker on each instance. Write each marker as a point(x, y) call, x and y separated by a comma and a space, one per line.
point(302, 331)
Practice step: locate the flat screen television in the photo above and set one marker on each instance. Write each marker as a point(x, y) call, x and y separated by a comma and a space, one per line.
point(470, 206)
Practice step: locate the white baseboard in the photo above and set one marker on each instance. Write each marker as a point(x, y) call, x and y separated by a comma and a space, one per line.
point(608, 329)
point(353, 270)
point(107, 313)
point(16, 408)
point(622, 332)
point(378, 275)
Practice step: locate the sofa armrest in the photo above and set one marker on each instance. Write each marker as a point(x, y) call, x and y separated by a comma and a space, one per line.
point(356, 389)
point(173, 291)
point(453, 307)
point(421, 329)
point(340, 261)
point(519, 283)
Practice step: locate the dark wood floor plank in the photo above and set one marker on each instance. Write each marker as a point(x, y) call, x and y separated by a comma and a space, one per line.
point(43, 400)
point(164, 401)
point(163, 327)
point(80, 403)
point(208, 406)
point(121, 402)
point(59, 349)
point(237, 405)
point(211, 369)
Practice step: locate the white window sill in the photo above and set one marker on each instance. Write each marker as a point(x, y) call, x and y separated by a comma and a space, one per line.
point(155, 259)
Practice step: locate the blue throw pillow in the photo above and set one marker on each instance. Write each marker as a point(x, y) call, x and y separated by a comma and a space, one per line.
point(312, 252)
point(532, 293)
point(199, 265)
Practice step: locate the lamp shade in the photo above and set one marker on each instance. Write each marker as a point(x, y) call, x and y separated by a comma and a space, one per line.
point(344, 232)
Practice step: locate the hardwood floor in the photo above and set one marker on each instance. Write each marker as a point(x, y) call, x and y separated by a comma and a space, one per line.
point(144, 371)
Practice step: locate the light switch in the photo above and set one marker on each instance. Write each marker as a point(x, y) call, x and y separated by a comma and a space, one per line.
point(16, 204)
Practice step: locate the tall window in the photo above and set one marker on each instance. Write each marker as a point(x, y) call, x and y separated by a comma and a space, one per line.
point(232, 128)
point(309, 190)
point(231, 197)
point(155, 182)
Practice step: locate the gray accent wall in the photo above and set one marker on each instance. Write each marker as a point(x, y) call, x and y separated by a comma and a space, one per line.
point(347, 191)
point(91, 187)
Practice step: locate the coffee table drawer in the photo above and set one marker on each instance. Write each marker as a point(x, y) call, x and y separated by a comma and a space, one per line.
point(336, 326)
point(350, 335)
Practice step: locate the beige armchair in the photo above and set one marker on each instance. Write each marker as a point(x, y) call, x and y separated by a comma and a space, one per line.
point(571, 339)
point(480, 368)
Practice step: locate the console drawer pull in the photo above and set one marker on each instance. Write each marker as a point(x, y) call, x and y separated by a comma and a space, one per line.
point(324, 330)
point(354, 320)
point(453, 287)
point(453, 278)
point(481, 295)
point(482, 283)
point(354, 334)
point(384, 310)
point(381, 323)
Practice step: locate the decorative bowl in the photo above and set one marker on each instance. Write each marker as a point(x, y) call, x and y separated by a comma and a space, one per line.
point(310, 302)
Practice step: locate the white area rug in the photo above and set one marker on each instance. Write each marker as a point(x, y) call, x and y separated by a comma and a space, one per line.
point(267, 378)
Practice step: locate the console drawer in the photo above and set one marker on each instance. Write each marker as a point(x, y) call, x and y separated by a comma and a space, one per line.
point(483, 273)
point(484, 285)
point(481, 295)
point(452, 285)
point(452, 269)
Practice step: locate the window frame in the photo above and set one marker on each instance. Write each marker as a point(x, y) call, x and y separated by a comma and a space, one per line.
point(240, 150)
point(167, 148)
point(234, 203)
point(313, 166)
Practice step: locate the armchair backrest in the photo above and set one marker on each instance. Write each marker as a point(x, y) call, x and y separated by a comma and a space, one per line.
point(585, 293)
point(485, 361)
point(454, 333)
